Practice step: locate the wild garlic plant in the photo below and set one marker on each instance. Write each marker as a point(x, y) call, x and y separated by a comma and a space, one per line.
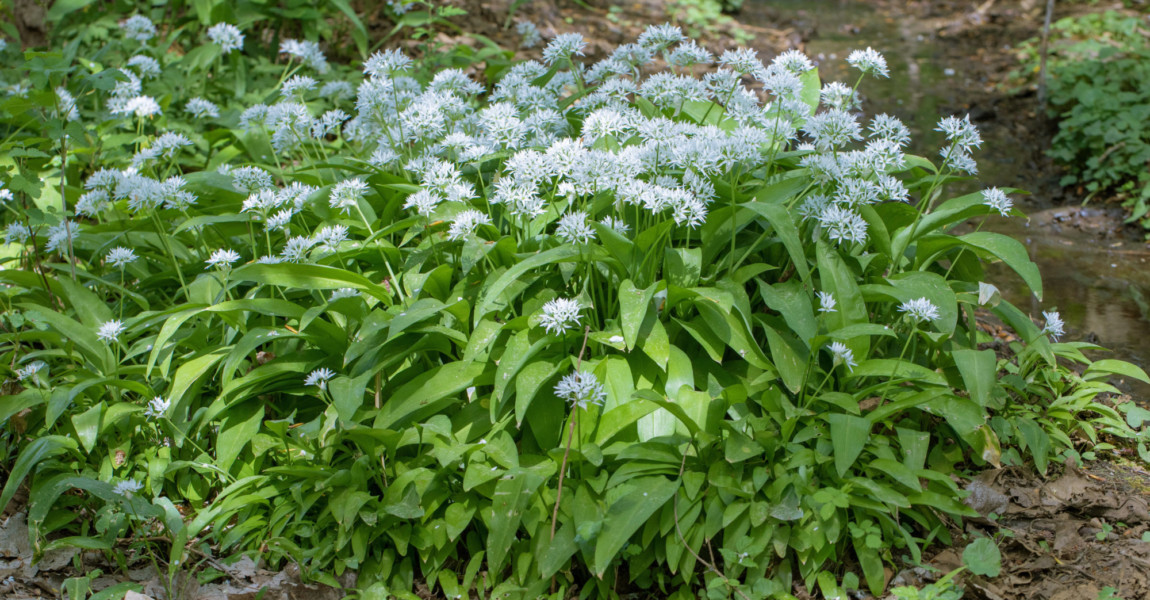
point(348, 318)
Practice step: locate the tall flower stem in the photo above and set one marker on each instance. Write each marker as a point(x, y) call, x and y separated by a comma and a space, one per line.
point(570, 438)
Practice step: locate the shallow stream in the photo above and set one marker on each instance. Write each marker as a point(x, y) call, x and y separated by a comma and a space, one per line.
point(1094, 274)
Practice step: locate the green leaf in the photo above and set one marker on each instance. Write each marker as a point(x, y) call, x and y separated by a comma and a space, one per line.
point(1037, 441)
point(36, 452)
point(239, 426)
point(812, 87)
point(1009, 251)
point(639, 499)
point(1112, 366)
point(781, 220)
point(793, 302)
point(428, 393)
point(978, 369)
point(492, 292)
point(508, 504)
point(982, 557)
point(530, 380)
point(633, 305)
point(871, 565)
point(849, 435)
point(308, 277)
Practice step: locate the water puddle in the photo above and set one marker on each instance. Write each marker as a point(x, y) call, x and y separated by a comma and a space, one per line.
point(1092, 273)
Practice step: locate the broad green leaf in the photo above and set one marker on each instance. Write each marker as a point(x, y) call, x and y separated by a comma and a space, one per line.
point(508, 504)
point(633, 305)
point(428, 393)
point(494, 290)
point(1037, 441)
point(308, 276)
point(849, 435)
point(35, 453)
point(794, 304)
point(1122, 368)
point(530, 380)
point(641, 499)
point(978, 370)
point(239, 426)
point(982, 557)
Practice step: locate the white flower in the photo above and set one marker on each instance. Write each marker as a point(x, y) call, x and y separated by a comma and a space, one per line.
point(157, 407)
point(342, 293)
point(842, 355)
point(128, 487)
point(581, 390)
point(201, 108)
point(146, 65)
point(346, 194)
point(986, 292)
point(563, 47)
point(619, 225)
point(319, 377)
point(890, 128)
point(868, 61)
point(661, 37)
point(299, 84)
point(919, 309)
point(560, 314)
point(222, 258)
point(998, 200)
point(827, 302)
point(530, 34)
point(573, 228)
point(138, 27)
point(961, 133)
point(110, 331)
point(30, 369)
point(843, 224)
point(1054, 325)
point(308, 53)
point(424, 202)
point(794, 61)
point(141, 106)
point(331, 237)
point(465, 223)
point(120, 257)
point(386, 63)
point(228, 37)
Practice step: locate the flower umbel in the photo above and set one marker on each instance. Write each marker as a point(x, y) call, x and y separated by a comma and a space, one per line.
point(1054, 325)
point(120, 257)
point(128, 487)
point(110, 331)
point(319, 377)
point(997, 199)
point(869, 61)
point(842, 355)
point(919, 310)
point(157, 407)
point(581, 390)
point(827, 302)
point(222, 258)
point(560, 314)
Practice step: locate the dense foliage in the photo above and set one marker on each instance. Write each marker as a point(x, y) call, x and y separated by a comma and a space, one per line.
point(1099, 89)
point(610, 326)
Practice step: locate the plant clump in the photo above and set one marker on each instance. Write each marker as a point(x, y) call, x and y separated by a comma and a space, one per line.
point(593, 326)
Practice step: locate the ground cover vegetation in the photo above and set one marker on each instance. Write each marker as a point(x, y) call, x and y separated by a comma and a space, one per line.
point(667, 322)
point(1099, 93)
